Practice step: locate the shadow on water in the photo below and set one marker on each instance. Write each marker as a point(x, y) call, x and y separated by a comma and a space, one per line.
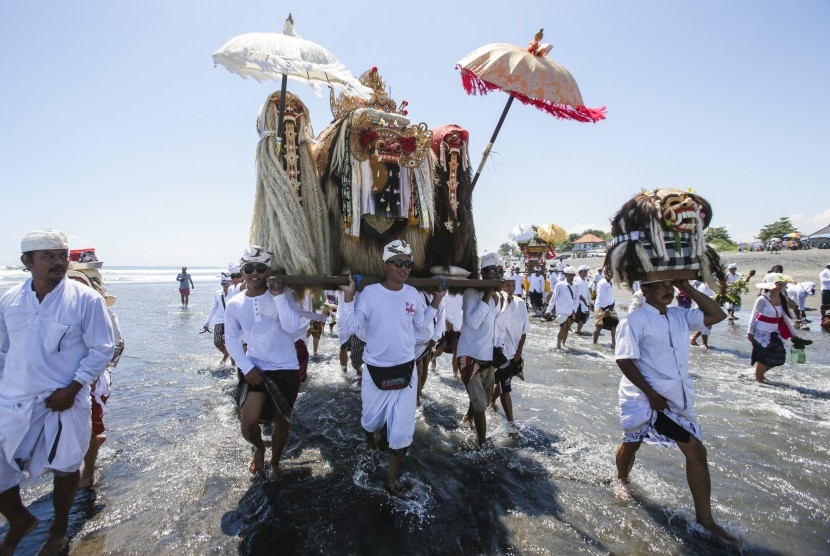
point(84, 508)
point(803, 390)
point(331, 499)
point(694, 540)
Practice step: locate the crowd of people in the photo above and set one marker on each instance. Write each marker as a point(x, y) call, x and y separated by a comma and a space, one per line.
point(58, 340)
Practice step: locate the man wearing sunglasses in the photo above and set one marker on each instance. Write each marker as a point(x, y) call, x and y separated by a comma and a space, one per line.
point(477, 343)
point(266, 321)
point(388, 315)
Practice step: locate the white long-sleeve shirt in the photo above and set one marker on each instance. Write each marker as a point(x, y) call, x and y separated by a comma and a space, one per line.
point(799, 292)
point(268, 324)
point(512, 323)
point(46, 345)
point(217, 310)
point(605, 293)
point(824, 277)
point(454, 311)
point(537, 282)
point(388, 320)
point(761, 330)
point(423, 337)
point(306, 305)
point(580, 287)
point(478, 337)
point(565, 299)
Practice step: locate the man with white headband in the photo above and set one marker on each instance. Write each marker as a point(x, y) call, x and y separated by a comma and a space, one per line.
point(266, 321)
point(656, 393)
point(563, 305)
point(476, 346)
point(56, 338)
point(389, 315)
point(216, 317)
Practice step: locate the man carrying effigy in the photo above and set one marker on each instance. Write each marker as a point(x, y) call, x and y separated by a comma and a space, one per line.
point(388, 315)
point(266, 321)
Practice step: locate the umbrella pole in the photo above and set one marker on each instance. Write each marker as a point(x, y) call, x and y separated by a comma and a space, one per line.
point(492, 140)
point(283, 86)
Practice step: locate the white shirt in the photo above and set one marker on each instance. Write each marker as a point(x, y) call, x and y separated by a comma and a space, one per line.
point(659, 346)
point(217, 310)
point(307, 306)
point(46, 345)
point(268, 324)
point(519, 284)
point(565, 299)
point(423, 337)
point(581, 288)
point(537, 283)
point(389, 320)
point(605, 293)
point(512, 323)
point(730, 277)
point(762, 330)
point(454, 311)
point(233, 289)
point(343, 311)
point(799, 292)
point(825, 279)
point(479, 335)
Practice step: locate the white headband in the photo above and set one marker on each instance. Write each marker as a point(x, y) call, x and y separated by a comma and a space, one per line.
point(256, 254)
point(38, 240)
point(397, 247)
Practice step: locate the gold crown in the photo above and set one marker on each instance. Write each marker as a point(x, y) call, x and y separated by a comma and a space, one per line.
point(379, 100)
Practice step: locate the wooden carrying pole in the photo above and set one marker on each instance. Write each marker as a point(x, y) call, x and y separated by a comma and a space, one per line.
point(423, 283)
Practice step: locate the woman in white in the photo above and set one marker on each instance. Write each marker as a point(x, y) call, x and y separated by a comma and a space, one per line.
point(769, 323)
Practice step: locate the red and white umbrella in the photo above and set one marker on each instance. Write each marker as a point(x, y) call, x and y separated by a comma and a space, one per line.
point(526, 74)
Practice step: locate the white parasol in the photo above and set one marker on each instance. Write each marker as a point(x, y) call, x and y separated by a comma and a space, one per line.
point(521, 233)
point(280, 56)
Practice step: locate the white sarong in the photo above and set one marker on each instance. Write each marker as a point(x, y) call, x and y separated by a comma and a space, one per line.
point(393, 408)
point(35, 439)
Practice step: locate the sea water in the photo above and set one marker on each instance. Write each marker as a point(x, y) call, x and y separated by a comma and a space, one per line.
point(172, 476)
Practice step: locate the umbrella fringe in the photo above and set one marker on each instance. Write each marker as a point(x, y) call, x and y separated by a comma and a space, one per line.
point(473, 85)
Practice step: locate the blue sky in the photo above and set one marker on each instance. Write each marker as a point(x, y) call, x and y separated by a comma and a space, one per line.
point(117, 129)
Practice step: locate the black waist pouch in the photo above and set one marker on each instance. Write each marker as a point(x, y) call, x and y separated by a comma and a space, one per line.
point(392, 378)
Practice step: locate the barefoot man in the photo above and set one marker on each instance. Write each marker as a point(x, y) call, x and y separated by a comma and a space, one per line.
point(55, 340)
point(389, 315)
point(656, 394)
point(267, 322)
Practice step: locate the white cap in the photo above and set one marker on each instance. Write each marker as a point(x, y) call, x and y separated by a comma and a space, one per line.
point(731, 266)
point(397, 247)
point(256, 254)
point(234, 268)
point(569, 270)
point(491, 259)
point(584, 267)
point(39, 240)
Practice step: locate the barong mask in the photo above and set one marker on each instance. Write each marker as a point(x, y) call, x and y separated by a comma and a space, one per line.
point(659, 235)
point(378, 177)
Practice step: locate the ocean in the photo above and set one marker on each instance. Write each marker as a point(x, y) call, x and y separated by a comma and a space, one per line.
point(173, 475)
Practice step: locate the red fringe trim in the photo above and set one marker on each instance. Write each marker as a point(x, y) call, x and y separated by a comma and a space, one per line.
point(473, 85)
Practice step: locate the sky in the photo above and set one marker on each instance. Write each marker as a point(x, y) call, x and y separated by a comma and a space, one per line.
point(118, 130)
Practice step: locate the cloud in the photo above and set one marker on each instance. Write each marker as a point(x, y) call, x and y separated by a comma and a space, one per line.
point(579, 228)
point(809, 224)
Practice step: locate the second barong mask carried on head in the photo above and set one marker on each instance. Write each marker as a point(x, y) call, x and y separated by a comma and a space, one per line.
point(659, 234)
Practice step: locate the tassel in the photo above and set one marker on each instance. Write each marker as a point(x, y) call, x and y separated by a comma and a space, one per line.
point(474, 85)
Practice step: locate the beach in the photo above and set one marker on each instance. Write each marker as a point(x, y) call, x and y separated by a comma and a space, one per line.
point(173, 473)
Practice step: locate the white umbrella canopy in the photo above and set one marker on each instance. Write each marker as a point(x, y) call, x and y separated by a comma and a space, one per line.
point(521, 233)
point(273, 56)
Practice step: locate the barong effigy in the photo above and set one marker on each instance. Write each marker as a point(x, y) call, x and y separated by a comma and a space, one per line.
point(453, 241)
point(378, 178)
point(659, 235)
point(290, 217)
